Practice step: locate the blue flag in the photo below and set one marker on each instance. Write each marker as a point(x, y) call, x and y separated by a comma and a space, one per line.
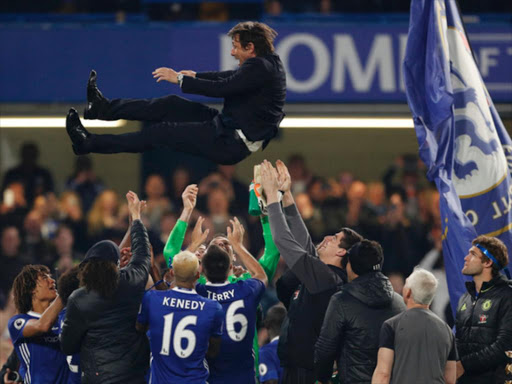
point(460, 135)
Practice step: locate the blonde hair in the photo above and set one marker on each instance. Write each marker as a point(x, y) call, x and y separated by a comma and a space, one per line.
point(185, 266)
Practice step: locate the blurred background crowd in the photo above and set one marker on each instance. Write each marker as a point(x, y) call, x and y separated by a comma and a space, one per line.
point(188, 10)
point(45, 224)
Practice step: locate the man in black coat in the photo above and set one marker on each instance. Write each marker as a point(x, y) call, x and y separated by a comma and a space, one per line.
point(254, 96)
point(100, 318)
point(484, 315)
point(351, 328)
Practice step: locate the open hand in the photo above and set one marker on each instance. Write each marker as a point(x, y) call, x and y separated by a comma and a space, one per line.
point(189, 197)
point(167, 74)
point(134, 205)
point(235, 235)
point(198, 235)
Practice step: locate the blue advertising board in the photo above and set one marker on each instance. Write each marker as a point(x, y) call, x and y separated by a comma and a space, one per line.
point(328, 62)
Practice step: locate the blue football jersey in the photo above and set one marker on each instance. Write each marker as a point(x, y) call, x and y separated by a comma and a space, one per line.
point(235, 362)
point(41, 361)
point(270, 366)
point(180, 326)
point(75, 373)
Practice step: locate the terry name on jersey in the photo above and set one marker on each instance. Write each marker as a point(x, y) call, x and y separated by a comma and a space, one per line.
point(221, 296)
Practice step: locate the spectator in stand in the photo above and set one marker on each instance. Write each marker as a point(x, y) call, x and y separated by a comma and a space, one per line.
point(65, 254)
point(36, 180)
point(311, 215)
point(47, 206)
point(103, 219)
point(11, 260)
point(179, 181)
point(218, 209)
point(240, 200)
point(299, 172)
point(35, 247)
point(156, 201)
point(14, 206)
point(84, 182)
point(71, 214)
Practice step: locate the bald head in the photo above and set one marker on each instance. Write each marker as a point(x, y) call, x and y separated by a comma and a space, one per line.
point(185, 266)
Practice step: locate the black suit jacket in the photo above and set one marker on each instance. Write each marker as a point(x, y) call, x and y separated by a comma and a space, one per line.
point(254, 95)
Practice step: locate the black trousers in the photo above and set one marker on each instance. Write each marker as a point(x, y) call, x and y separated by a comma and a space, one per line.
point(298, 375)
point(171, 122)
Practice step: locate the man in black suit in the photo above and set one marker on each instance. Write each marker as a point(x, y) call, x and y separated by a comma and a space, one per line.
point(254, 96)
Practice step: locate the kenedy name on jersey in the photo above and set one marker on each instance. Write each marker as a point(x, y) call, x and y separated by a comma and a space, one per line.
point(183, 303)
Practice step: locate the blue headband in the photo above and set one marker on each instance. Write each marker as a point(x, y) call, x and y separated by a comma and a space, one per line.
point(493, 259)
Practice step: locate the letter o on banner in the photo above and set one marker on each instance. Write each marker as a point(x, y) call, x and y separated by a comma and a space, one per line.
point(321, 57)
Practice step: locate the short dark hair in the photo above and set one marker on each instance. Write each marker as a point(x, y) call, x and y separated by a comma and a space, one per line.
point(101, 276)
point(25, 284)
point(68, 283)
point(350, 238)
point(216, 263)
point(260, 34)
point(496, 248)
point(274, 319)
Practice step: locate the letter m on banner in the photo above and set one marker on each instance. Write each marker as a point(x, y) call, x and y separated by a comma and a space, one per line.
point(460, 135)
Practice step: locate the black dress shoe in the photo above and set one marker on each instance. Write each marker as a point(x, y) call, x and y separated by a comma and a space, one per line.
point(77, 133)
point(95, 99)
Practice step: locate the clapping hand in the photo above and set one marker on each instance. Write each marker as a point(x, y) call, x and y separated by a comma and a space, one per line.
point(134, 205)
point(283, 176)
point(269, 182)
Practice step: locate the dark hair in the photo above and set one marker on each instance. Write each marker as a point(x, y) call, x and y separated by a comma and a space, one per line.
point(350, 238)
point(25, 284)
point(261, 35)
point(274, 319)
point(365, 256)
point(216, 263)
point(101, 276)
point(68, 283)
point(496, 248)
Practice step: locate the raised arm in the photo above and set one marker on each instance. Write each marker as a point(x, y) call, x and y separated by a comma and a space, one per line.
point(250, 76)
point(270, 257)
point(293, 218)
point(137, 270)
point(236, 238)
point(175, 240)
point(36, 327)
point(308, 268)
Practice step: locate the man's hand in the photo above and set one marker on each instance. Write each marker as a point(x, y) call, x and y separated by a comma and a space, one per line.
point(283, 176)
point(189, 197)
point(167, 74)
point(134, 205)
point(126, 256)
point(238, 270)
point(460, 369)
point(188, 72)
point(236, 235)
point(269, 182)
point(198, 236)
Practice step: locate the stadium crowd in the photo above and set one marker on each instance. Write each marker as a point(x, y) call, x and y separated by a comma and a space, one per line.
point(355, 283)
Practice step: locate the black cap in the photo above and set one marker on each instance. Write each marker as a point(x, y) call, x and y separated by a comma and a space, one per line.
point(365, 256)
point(103, 250)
